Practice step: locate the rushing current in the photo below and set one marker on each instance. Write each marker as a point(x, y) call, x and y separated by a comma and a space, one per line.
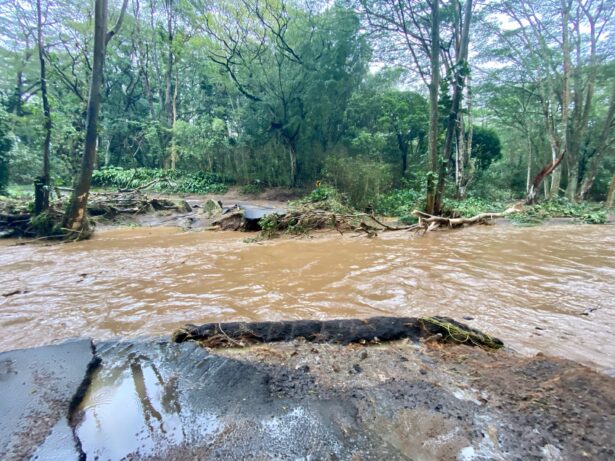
point(547, 289)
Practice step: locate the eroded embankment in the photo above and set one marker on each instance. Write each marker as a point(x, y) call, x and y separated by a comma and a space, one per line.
point(413, 398)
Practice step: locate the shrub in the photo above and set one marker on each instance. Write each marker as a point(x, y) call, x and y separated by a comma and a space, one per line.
point(361, 179)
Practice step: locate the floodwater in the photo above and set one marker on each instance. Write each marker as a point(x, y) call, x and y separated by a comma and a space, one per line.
point(544, 289)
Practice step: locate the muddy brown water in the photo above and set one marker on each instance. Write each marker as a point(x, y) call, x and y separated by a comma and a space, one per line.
point(529, 286)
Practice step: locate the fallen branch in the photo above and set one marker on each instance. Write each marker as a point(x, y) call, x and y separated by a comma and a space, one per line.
point(430, 222)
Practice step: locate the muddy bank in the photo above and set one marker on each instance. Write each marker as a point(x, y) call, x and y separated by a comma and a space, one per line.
point(292, 400)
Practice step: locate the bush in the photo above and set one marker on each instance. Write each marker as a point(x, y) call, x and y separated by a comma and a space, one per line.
point(324, 198)
point(400, 202)
point(471, 207)
point(361, 179)
point(169, 180)
point(561, 207)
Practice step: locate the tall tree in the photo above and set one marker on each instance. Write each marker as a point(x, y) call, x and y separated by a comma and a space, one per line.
point(408, 34)
point(458, 69)
point(75, 218)
point(41, 186)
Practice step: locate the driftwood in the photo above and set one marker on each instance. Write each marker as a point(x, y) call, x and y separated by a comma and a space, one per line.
point(428, 222)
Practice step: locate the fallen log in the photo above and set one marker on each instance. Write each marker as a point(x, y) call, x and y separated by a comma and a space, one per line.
point(372, 330)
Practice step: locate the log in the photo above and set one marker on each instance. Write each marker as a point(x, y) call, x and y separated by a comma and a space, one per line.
point(342, 331)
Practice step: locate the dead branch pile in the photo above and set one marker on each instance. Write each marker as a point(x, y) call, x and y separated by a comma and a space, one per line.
point(112, 204)
point(304, 218)
point(16, 219)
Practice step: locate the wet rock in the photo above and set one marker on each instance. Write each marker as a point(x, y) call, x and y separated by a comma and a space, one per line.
point(36, 389)
point(179, 401)
point(212, 208)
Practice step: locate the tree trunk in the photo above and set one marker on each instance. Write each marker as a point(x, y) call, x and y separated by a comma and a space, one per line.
point(557, 172)
point(610, 196)
point(17, 97)
point(466, 175)
point(41, 202)
point(292, 153)
point(433, 106)
point(601, 150)
point(573, 177)
point(540, 177)
point(169, 87)
point(404, 147)
point(75, 219)
point(461, 69)
point(529, 161)
point(583, 98)
point(174, 152)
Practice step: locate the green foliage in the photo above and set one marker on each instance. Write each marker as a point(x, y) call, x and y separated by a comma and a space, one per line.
point(253, 188)
point(46, 223)
point(361, 179)
point(486, 147)
point(471, 207)
point(325, 198)
point(582, 212)
point(166, 180)
point(401, 202)
point(321, 194)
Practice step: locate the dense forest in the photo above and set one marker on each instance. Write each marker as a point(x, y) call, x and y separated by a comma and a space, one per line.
point(394, 104)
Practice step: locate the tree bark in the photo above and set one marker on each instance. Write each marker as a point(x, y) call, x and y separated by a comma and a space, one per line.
point(610, 196)
point(75, 219)
point(529, 160)
point(41, 202)
point(557, 172)
point(434, 87)
point(540, 177)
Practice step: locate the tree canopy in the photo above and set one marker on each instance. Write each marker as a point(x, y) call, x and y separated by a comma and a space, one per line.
point(441, 97)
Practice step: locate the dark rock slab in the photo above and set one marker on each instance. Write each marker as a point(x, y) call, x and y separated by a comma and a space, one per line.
point(36, 389)
point(160, 400)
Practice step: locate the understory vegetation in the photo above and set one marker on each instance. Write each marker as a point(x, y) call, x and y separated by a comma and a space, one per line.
point(172, 181)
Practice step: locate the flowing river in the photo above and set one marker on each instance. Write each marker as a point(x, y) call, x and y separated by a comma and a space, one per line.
point(547, 289)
